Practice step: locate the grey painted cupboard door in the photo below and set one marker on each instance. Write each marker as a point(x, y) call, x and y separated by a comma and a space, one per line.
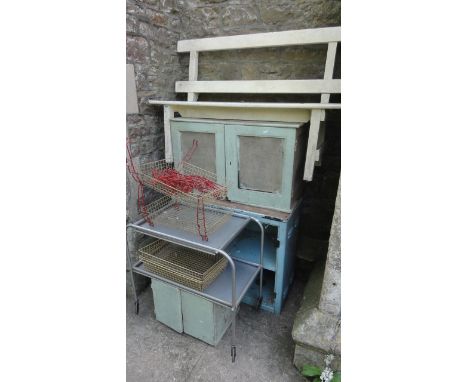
point(167, 304)
point(259, 163)
point(209, 153)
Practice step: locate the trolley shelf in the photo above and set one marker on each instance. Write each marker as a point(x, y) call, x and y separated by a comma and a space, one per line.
point(218, 239)
point(221, 289)
point(245, 247)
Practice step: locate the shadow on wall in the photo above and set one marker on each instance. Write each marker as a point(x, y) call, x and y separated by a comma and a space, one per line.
point(320, 195)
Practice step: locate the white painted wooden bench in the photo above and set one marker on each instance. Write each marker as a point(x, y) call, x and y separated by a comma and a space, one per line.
point(272, 111)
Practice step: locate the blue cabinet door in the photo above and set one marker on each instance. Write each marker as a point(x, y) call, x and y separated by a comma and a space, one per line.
point(259, 165)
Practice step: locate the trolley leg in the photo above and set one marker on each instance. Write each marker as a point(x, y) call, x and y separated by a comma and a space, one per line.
point(233, 334)
point(262, 240)
point(259, 302)
point(234, 304)
point(135, 295)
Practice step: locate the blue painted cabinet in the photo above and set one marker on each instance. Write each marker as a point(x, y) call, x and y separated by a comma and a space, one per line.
point(260, 162)
point(278, 257)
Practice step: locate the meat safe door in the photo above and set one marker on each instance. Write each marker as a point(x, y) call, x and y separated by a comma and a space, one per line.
point(209, 152)
point(258, 165)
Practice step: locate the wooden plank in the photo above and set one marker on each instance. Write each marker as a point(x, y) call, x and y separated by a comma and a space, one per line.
point(261, 86)
point(328, 74)
point(289, 125)
point(250, 105)
point(193, 74)
point(260, 40)
point(320, 145)
point(330, 62)
point(318, 156)
point(256, 114)
point(315, 116)
point(132, 102)
point(168, 114)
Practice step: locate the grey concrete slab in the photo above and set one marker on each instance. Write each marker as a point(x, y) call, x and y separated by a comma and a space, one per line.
point(154, 351)
point(264, 347)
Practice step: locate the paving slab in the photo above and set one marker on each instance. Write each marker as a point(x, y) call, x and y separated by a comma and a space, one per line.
point(265, 347)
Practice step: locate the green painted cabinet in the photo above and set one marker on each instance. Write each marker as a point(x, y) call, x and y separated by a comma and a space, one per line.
point(260, 162)
point(186, 312)
point(167, 304)
point(204, 319)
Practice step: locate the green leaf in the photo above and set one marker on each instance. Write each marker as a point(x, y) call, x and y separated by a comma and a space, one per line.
point(311, 371)
point(336, 377)
point(317, 379)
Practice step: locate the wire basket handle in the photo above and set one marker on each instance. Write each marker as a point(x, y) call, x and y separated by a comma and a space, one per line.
point(141, 192)
point(188, 155)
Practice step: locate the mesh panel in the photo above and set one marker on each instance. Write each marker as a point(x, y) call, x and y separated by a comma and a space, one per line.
point(185, 266)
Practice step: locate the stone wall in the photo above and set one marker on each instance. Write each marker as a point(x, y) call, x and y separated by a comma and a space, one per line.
point(317, 327)
point(153, 29)
point(155, 26)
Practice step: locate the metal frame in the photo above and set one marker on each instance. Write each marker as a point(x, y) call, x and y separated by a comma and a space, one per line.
point(235, 302)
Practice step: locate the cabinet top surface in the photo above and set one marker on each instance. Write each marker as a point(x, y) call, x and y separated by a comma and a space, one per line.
point(290, 125)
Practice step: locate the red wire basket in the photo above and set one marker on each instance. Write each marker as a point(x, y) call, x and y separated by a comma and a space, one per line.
point(187, 182)
point(187, 188)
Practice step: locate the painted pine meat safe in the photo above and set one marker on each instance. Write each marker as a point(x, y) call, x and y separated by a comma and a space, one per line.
point(260, 162)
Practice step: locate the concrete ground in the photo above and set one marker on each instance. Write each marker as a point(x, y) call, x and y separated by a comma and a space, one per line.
point(264, 347)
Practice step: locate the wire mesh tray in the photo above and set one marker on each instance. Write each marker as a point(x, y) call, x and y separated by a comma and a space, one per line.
point(180, 214)
point(152, 174)
point(188, 267)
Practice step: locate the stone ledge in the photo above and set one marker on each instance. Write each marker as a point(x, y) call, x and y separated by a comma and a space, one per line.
point(304, 355)
point(314, 330)
point(319, 330)
point(311, 295)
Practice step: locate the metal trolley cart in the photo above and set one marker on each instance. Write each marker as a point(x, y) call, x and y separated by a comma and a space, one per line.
point(231, 285)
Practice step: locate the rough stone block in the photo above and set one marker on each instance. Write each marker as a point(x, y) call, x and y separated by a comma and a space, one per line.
point(309, 356)
point(276, 13)
point(319, 330)
point(239, 15)
point(330, 300)
point(137, 50)
point(132, 24)
point(157, 18)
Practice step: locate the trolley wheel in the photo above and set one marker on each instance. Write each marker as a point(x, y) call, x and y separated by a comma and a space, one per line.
point(233, 353)
point(137, 306)
point(259, 303)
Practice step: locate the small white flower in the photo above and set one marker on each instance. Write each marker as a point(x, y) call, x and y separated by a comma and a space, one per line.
point(327, 375)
